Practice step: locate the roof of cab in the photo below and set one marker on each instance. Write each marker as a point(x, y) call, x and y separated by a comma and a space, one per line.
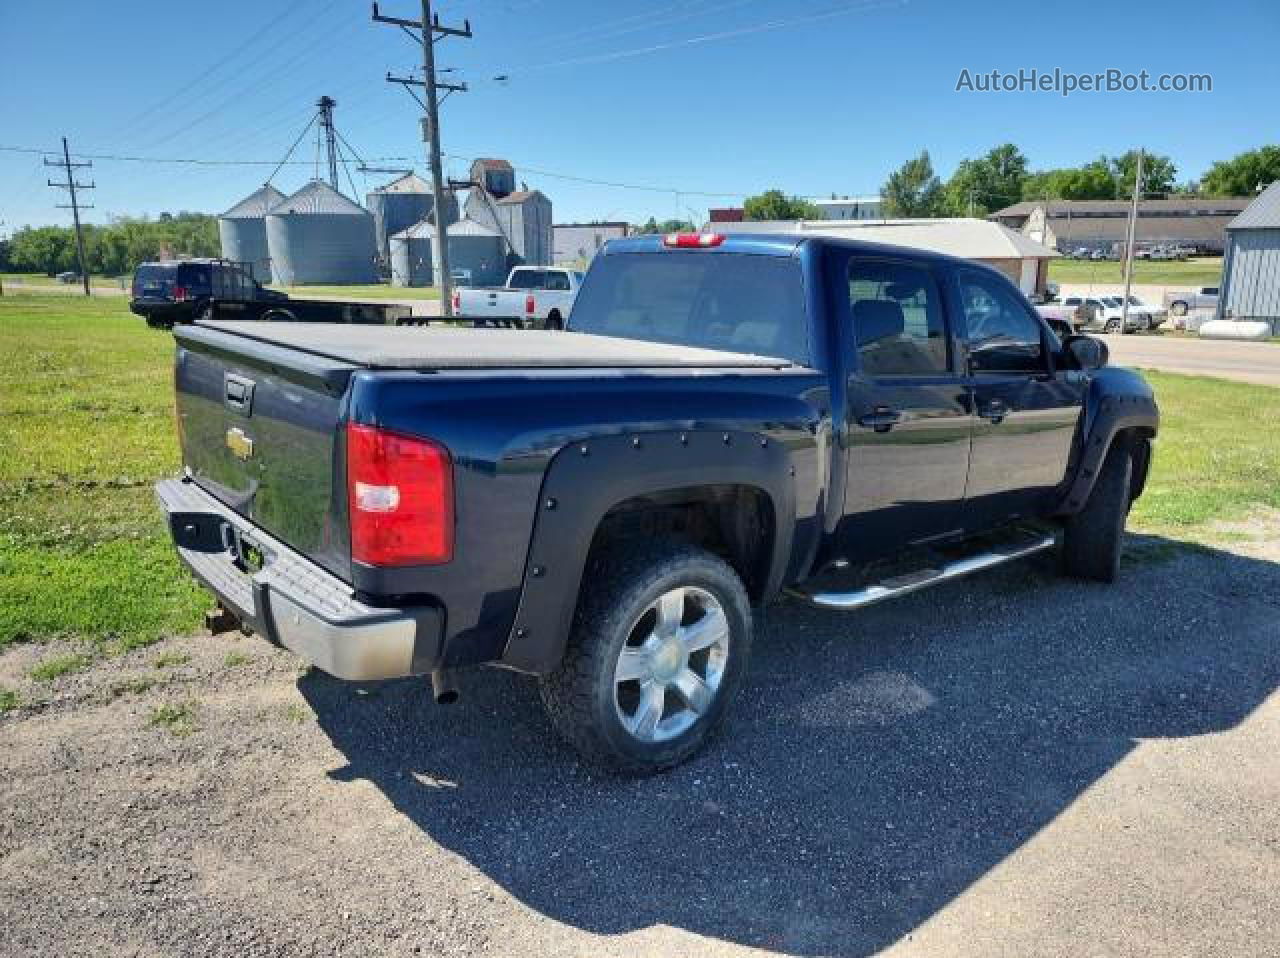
point(782, 244)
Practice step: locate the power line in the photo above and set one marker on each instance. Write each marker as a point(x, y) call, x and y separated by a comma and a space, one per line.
point(190, 161)
point(861, 6)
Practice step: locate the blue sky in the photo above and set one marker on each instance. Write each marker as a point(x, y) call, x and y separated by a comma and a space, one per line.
point(811, 96)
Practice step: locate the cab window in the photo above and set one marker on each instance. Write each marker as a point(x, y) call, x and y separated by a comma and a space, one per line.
point(1003, 336)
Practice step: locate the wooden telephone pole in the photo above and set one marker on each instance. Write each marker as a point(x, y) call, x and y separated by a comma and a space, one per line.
point(427, 31)
point(71, 185)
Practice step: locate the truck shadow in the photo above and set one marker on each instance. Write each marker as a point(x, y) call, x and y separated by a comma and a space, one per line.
point(878, 763)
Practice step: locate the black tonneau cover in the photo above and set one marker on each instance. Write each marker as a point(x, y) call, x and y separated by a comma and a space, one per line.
point(443, 347)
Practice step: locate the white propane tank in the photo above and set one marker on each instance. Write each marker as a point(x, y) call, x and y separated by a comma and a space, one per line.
point(1250, 330)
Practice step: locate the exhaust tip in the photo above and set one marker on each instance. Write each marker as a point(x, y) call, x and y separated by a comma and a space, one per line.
point(443, 689)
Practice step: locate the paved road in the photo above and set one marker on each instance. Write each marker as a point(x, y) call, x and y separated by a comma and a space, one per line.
point(1245, 362)
point(1013, 765)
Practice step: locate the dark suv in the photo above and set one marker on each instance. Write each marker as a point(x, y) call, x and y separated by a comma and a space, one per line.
point(182, 291)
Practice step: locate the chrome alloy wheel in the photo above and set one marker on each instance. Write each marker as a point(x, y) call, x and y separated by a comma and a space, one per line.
point(672, 664)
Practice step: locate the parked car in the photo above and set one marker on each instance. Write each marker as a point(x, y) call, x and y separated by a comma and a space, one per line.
point(1102, 314)
point(68, 277)
point(1153, 316)
point(533, 296)
point(1183, 301)
point(191, 290)
point(728, 419)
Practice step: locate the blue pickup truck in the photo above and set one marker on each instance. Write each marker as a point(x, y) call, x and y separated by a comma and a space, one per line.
point(725, 420)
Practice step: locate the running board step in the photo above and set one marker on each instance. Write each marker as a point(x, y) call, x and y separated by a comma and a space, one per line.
point(898, 585)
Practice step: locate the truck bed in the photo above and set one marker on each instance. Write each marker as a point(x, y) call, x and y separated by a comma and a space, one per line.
point(397, 347)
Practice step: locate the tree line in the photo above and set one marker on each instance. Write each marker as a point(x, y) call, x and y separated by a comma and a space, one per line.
point(1002, 176)
point(111, 250)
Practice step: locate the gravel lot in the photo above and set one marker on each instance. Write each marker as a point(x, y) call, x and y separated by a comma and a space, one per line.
point(1015, 765)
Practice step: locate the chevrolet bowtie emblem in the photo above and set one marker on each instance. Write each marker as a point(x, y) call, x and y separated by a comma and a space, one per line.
point(241, 446)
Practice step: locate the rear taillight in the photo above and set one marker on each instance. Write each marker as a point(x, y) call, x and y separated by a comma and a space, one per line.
point(179, 294)
point(457, 303)
point(529, 304)
point(693, 240)
point(400, 498)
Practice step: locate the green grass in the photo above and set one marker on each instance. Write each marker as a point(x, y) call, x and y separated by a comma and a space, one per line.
point(40, 279)
point(8, 700)
point(1193, 272)
point(1218, 454)
point(86, 426)
point(60, 665)
point(369, 291)
point(169, 660)
point(179, 719)
point(235, 659)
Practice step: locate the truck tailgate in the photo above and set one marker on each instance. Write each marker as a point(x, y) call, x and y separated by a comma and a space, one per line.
point(259, 426)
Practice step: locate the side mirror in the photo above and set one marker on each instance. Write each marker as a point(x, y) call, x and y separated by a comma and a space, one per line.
point(1085, 352)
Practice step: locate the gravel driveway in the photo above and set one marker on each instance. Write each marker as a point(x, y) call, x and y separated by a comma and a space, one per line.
point(1016, 764)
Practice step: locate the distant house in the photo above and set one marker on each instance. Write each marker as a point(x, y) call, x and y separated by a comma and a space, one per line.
point(1104, 224)
point(1251, 265)
point(579, 242)
point(851, 208)
point(1022, 259)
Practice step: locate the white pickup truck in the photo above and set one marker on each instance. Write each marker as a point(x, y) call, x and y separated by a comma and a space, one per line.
point(540, 296)
point(1184, 301)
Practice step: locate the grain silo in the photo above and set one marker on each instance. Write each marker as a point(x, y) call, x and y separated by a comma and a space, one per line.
point(478, 253)
point(317, 235)
point(401, 204)
point(523, 218)
point(242, 230)
point(411, 262)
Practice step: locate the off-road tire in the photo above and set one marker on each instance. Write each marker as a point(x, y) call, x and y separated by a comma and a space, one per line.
point(617, 587)
point(1094, 536)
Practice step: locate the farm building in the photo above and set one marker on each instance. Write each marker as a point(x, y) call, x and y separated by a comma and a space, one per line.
point(1103, 224)
point(317, 235)
point(1251, 265)
point(579, 242)
point(1023, 260)
point(523, 218)
point(402, 203)
point(242, 231)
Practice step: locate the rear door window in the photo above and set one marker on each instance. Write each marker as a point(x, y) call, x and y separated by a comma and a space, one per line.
point(897, 319)
point(737, 302)
point(195, 276)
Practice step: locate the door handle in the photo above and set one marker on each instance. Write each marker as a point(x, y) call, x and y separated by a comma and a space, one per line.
point(881, 419)
point(995, 411)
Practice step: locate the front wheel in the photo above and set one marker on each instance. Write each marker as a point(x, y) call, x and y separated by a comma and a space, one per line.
point(1112, 326)
point(658, 649)
point(1093, 537)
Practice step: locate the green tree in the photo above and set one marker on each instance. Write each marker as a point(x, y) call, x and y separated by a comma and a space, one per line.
point(665, 226)
point(1093, 181)
point(1158, 173)
point(913, 190)
point(990, 182)
point(776, 205)
point(116, 248)
point(1243, 174)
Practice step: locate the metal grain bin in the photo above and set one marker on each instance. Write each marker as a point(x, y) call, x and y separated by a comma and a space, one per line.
point(317, 235)
point(411, 263)
point(479, 253)
point(401, 204)
point(242, 230)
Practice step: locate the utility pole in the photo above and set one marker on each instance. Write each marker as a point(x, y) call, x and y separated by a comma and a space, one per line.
point(427, 31)
point(71, 185)
point(326, 105)
point(1128, 246)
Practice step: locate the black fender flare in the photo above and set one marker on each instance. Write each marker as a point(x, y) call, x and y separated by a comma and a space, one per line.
point(1117, 400)
point(586, 479)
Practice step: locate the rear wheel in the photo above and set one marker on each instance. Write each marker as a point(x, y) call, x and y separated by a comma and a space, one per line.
point(1112, 326)
point(1178, 308)
point(554, 320)
point(658, 650)
point(1094, 536)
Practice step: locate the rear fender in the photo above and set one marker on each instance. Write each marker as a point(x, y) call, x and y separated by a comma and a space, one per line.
point(586, 479)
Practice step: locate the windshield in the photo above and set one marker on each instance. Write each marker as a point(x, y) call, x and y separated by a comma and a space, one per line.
point(737, 302)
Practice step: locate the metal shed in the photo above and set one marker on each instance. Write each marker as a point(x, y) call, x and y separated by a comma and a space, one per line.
point(242, 230)
point(478, 250)
point(317, 235)
point(411, 255)
point(1251, 264)
point(404, 203)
